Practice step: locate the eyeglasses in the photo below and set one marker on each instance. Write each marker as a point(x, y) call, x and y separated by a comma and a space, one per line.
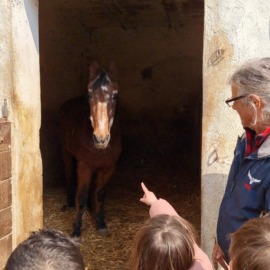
point(229, 100)
point(265, 214)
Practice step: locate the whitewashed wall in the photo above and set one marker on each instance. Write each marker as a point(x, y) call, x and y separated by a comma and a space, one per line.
point(20, 86)
point(235, 31)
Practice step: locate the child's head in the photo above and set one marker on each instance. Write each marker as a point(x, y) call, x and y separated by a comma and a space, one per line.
point(164, 243)
point(46, 250)
point(250, 245)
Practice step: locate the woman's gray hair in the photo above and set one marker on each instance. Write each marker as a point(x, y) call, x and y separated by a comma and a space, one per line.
point(253, 77)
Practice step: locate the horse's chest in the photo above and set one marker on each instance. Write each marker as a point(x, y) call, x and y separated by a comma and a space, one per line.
point(97, 158)
point(100, 159)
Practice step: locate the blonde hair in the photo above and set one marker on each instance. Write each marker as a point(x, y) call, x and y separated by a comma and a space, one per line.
point(164, 243)
point(250, 245)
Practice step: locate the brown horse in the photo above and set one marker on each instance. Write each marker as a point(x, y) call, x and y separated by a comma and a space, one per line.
point(91, 137)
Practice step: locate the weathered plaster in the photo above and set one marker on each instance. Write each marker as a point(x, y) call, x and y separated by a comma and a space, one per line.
point(20, 85)
point(27, 187)
point(5, 55)
point(235, 31)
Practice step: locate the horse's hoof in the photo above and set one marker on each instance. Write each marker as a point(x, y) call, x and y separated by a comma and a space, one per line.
point(103, 232)
point(102, 227)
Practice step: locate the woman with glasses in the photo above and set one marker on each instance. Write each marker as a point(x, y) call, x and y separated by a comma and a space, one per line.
point(247, 193)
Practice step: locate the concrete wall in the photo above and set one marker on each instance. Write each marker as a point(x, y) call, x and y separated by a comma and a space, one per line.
point(20, 86)
point(234, 31)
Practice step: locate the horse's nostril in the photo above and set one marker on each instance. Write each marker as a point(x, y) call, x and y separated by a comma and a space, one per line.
point(95, 139)
point(107, 138)
point(101, 140)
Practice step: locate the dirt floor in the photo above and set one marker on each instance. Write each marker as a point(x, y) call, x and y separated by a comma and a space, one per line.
point(166, 164)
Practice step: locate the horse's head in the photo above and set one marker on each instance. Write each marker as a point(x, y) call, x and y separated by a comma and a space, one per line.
point(103, 92)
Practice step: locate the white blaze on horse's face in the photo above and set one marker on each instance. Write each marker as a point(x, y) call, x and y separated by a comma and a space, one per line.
point(102, 119)
point(102, 98)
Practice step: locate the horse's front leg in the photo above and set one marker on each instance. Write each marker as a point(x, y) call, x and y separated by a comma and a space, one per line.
point(102, 179)
point(84, 178)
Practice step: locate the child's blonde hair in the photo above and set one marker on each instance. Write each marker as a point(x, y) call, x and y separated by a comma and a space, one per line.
point(164, 243)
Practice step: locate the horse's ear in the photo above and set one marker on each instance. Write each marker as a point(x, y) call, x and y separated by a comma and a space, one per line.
point(113, 71)
point(93, 70)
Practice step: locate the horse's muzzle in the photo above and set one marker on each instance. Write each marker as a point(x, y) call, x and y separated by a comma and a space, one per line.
point(101, 142)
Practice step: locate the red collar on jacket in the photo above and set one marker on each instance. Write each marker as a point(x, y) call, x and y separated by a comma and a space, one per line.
point(253, 142)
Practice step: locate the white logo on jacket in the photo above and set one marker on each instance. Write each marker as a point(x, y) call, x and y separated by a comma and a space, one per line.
point(252, 180)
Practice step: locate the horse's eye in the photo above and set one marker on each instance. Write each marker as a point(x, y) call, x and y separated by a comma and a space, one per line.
point(115, 96)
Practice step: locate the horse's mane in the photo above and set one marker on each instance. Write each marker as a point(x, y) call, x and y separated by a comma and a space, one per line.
point(102, 79)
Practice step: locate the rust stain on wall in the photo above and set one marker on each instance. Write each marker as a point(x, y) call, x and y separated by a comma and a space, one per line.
point(217, 69)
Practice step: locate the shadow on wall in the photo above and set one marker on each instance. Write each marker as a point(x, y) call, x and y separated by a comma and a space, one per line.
point(212, 190)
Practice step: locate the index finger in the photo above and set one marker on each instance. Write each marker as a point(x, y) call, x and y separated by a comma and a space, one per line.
point(144, 188)
point(223, 264)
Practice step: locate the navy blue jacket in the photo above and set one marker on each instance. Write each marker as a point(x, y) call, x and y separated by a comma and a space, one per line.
point(247, 193)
